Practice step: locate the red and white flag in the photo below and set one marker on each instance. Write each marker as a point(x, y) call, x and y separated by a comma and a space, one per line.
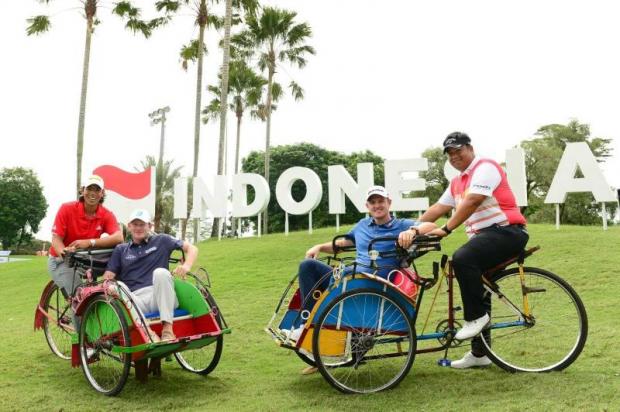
point(126, 191)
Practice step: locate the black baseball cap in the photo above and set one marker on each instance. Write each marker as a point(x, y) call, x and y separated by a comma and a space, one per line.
point(455, 140)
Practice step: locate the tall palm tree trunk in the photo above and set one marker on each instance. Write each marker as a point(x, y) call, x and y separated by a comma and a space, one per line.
point(223, 102)
point(234, 221)
point(202, 23)
point(160, 177)
point(267, 144)
point(90, 9)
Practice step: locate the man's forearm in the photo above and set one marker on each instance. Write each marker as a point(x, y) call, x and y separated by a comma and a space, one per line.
point(110, 241)
point(434, 212)
point(190, 255)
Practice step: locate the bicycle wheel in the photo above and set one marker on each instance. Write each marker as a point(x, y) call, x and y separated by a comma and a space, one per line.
point(204, 359)
point(556, 333)
point(364, 342)
point(103, 331)
point(58, 323)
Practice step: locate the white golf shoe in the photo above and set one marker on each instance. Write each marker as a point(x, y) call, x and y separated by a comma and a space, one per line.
point(472, 328)
point(470, 361)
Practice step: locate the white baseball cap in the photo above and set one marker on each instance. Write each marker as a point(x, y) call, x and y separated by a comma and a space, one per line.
point(377, 190)
point(140, 214)
point(94, 180)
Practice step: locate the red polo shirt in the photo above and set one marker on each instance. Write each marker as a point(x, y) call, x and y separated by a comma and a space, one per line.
point(72, 223)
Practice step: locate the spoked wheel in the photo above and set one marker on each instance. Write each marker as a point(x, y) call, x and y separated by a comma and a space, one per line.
point(204, 359)
point(554, 336)
point(103, 332)
point(364, 342)
point(58, 324)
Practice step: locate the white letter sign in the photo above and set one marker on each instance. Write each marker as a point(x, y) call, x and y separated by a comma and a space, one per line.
point(396, 184)
point(314, 190)
point(240, 207)
point(340, 183)
point(579, 155)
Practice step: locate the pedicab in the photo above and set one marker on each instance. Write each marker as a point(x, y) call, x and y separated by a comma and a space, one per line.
point(361, 330)
point(112, 332)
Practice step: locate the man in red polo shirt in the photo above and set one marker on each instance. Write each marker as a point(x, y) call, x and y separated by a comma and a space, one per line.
point(79, 225)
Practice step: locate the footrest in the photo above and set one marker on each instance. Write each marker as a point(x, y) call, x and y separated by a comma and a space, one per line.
point(177, 313)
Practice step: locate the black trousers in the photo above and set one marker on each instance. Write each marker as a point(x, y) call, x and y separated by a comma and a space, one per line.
point(486, 249)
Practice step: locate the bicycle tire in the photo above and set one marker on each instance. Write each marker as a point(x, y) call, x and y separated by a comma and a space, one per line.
point(104, 326)
point(363, 366)
point(59, 329)
point(558, 331)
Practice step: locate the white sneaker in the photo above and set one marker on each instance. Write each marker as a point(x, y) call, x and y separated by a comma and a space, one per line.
point(472, 328)
point(470, 361)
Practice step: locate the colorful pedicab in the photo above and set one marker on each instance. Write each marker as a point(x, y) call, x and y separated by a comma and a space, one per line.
point(361, 332)
point(111, 335)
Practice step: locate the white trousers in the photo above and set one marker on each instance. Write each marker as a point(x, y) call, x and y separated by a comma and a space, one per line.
point(159, 297)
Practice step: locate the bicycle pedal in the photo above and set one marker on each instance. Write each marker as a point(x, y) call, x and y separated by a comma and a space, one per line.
point(457, 308)
point(444, 362)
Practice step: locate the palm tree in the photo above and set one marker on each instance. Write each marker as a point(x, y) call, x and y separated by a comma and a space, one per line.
point(250, 7)
point(42, 23)
point(275, 37)
point(194, 51)
point(164, 189)
point(246, 87)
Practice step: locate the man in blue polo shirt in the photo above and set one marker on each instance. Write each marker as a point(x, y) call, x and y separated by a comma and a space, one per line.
point(380, 223)
point(142, 264)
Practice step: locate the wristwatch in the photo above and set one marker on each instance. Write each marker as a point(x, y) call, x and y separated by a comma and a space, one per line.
point(92, 243)
point(445, 229)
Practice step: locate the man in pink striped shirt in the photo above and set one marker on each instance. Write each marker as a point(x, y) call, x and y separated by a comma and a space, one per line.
point(485, 204)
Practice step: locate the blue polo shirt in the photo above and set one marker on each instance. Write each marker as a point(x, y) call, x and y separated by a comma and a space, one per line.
point(366, 229)
point(134, 263)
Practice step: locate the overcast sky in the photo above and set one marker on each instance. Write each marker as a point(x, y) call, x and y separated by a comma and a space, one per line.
point(393, 77)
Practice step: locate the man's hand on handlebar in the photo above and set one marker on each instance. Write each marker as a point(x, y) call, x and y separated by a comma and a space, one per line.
point(109, 275)
point(79, 244)
point(182, 270)
point(313, 252)
point(405, 238)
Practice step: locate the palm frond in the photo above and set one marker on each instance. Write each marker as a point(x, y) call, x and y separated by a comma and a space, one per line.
point(217, 22)
point(298, 34)
point(169, 6)
point(125, 9)
point(296, 90)
point(211, 111)
point(38, 25)
point(139, 26)
point(276, 91)
point(189, 53)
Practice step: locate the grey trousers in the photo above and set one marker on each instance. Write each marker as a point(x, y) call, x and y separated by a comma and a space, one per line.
point(65, 277)
point(159, 297)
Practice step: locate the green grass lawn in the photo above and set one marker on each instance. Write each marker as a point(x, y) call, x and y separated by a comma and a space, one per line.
point(254, 374)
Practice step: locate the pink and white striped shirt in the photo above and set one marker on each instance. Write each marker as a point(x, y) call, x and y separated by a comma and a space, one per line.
point(484, 177)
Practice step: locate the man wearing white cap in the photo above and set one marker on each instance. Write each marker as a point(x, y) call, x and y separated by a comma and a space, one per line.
point(80, 224)
point(380, 223)
point(142, 264)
